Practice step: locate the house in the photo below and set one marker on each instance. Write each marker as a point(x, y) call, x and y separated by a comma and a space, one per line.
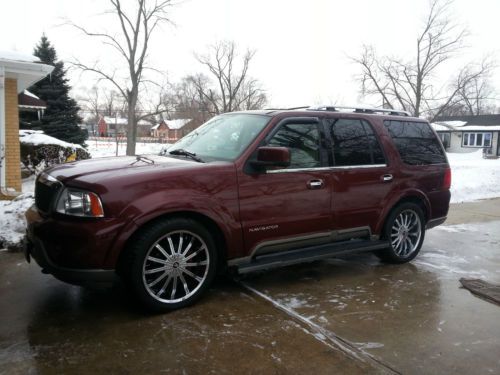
point(17, 72)
point(469, 133)
point(31, 107)
point(108, 126)
point(170, 130)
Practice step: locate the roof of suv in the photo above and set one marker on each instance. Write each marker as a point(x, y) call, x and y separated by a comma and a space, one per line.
point(386, 113)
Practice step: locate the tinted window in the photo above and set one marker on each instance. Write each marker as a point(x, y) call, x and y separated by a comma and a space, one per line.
point(302, 140)
point(416, 142)
point(355, 143)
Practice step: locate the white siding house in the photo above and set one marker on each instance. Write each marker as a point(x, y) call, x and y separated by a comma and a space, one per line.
point(469, 133)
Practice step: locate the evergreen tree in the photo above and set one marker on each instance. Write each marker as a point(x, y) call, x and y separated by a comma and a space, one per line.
point(61, 118)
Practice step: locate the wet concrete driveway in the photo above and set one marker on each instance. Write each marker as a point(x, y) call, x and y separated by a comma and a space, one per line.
point(353, 315)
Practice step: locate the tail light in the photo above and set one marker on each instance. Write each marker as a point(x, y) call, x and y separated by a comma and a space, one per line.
point(447, 179)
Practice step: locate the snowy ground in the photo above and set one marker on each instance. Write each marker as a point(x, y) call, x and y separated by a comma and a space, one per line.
point(473, 178)
point(99, 149)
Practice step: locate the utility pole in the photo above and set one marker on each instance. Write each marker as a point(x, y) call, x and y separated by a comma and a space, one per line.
point(116, 131)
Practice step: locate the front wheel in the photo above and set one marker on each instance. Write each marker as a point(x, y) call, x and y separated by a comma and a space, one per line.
point(173, 263)
point(405, 231)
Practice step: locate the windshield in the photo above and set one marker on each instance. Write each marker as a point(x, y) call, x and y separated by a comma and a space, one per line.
point(222, 138)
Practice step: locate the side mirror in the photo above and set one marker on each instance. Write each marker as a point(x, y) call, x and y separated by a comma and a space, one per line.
point(272, 157)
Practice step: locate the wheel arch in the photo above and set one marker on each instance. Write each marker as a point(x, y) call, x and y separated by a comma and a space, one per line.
point(210, 224)
point(417, 198)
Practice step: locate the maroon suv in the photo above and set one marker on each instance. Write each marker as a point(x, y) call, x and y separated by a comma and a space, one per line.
point(245, 191)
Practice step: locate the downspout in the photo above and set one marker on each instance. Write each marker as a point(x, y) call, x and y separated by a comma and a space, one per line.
point(4, 190)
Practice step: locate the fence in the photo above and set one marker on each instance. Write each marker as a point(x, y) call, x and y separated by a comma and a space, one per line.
point(139, 139)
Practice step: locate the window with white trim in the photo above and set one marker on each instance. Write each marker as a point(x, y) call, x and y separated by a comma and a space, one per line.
point(476, 139)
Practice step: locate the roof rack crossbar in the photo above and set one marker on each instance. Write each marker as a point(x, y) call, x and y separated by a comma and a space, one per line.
point(335, 108)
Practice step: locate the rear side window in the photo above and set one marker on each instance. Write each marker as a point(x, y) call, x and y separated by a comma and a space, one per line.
point(303, 141)
point(416, 142)
point(355, 143)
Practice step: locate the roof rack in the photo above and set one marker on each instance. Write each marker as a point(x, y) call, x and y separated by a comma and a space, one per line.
point(335, 108)
point(287, 109)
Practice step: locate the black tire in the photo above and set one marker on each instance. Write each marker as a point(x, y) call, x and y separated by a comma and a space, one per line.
point(171, 253)
point(405, 231)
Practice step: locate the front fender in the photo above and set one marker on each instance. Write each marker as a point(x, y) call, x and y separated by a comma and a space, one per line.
point(223, 211)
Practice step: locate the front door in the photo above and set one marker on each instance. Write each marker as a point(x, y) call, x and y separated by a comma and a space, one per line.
point(288, 208)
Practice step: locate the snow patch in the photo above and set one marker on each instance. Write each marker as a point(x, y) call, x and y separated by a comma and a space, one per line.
point(18, 56)
point(473, 178)
point(100, 149)
point(292, 302)
point(12, 220)
point(38, 137)
point(369, 345)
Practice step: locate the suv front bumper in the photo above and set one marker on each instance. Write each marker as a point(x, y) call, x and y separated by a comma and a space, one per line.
point(36, 247)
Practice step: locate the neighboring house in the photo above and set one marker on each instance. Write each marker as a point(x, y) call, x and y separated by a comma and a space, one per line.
point(110, 126)
point(89, 122)
point(17, 72)
point(469, 133)
point(31, 107)
point(170, 130)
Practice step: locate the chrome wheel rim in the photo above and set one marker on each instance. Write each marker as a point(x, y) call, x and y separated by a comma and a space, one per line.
point(175, 267)
point(406, 232)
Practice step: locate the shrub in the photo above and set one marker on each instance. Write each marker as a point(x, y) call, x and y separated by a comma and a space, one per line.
point(39, 151)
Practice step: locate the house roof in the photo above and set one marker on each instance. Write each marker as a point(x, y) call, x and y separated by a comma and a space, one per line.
point(459, 126)
point(26, 68)
point(27, 99)
point(156, 126)
point(177, 123)
point(122, 121)
point(483, 120)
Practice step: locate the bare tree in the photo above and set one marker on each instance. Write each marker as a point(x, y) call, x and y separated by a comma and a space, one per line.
point(410, 84)
point(112, 102)
point(137, 24)
point(188, 99)
point(90, 102)
point(234, 89)
point(477, 93)
point(251, 96)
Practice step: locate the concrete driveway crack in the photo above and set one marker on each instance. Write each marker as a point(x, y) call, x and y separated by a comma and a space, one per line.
point(325, 336)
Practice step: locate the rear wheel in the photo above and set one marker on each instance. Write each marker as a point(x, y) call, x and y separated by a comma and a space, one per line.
point(405, 231)
point(173, 263)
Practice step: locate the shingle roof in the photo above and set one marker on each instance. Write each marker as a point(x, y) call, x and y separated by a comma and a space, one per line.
point(27, 99)
point(486, 120)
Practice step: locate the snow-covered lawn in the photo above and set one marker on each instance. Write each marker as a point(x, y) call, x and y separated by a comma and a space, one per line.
point(473, 178)
point(99, 149)
point(12, 221)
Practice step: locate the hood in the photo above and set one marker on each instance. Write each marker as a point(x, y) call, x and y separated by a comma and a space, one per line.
point(112, 165)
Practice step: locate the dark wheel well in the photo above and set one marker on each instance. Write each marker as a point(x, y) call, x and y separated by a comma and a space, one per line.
point(416, 200)
point(209, 224)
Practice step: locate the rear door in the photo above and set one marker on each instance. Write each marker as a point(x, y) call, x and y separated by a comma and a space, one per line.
point(289, 207)
point(423, 162)
point(362, 179)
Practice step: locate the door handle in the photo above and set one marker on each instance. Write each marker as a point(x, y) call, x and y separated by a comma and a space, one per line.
point(315, 184)
point(387, 177)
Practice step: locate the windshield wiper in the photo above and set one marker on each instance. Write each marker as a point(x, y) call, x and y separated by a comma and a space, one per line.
point(142, 158)
point(182, 152)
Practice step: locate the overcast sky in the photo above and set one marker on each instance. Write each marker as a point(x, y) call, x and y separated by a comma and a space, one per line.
point(302, 46)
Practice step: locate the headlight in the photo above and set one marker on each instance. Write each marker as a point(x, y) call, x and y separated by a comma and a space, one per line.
point(79, 203)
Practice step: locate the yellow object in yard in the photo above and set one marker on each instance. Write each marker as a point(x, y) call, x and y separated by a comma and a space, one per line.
point(71, 157)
